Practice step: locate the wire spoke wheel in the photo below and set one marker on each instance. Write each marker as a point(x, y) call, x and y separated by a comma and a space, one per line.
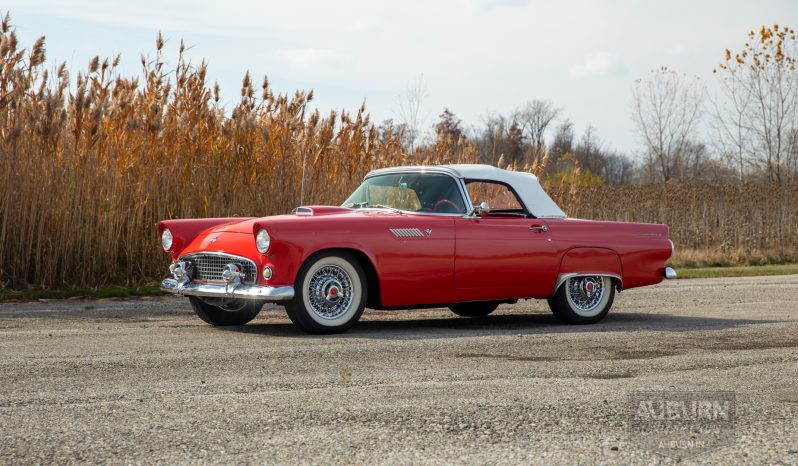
point(585, 294)
point(330, 292)
point(583, 299)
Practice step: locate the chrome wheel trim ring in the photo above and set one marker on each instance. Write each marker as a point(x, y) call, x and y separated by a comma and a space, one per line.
point(588, 295)
point(331, 291)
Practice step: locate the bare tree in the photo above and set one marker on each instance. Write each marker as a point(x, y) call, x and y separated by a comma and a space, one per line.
point(618, 169)
point(756, 112)
point(563, 138)
point(499, 137)
point(729, 121)
point(593, 158)
point(666, 110)
point(410, 109)
point(534, 118)
point(588, 152)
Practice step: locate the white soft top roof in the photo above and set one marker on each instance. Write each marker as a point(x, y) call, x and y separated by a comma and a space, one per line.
point(526, 185)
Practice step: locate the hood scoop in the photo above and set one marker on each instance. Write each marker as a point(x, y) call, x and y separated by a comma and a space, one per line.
point(316, 210)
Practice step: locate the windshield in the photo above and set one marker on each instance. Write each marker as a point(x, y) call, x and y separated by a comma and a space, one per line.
point(414, 192)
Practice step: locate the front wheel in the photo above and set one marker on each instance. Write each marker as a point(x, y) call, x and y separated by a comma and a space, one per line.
point(583, 300)
point(221, 312)
point(330, 294)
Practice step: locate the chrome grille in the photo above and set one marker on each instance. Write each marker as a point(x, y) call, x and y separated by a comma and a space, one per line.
point(209, 267)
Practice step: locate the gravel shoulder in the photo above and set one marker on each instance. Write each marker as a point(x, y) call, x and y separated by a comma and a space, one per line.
point(144, 380)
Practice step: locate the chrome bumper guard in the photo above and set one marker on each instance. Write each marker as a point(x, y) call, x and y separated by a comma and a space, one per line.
point(669, 273)
point(266, 293)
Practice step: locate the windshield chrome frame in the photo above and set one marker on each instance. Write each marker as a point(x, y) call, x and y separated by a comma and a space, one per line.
point(458, 180)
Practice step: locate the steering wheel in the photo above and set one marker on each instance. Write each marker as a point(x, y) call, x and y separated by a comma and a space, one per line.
point(444, 203)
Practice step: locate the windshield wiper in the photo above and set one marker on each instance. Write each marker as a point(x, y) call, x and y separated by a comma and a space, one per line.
point(356, 204)
point(365, 204)
point(382, 206)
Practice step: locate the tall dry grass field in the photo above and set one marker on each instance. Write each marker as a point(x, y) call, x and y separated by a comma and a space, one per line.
point(709, 224)
point(89, 164)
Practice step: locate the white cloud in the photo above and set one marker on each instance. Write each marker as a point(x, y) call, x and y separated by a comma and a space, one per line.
point(475, 55)
point(493, 4)
point(596, 64)
point(309, 58)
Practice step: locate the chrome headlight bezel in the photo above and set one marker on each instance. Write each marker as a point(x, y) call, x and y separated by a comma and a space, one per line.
point(263, 241)
point(167, 239)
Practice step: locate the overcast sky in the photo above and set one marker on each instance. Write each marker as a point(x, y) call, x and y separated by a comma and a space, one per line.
point(476, 56)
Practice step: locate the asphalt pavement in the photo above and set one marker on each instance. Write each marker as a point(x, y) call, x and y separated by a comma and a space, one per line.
point(145, 381)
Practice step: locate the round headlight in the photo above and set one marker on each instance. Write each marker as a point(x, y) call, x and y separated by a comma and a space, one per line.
point(262, 241)
point(166, 239)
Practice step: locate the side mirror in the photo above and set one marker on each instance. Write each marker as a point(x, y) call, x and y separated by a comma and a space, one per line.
point(481, 210)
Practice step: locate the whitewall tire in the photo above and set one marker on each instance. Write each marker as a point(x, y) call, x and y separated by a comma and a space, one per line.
point(330, 293)
point(583, 299)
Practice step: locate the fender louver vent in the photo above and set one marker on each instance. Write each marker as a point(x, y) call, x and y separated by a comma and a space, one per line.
point(407, 232)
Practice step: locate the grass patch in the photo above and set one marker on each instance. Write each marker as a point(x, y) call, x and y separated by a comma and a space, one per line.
point(745, 271)
point(97, 293)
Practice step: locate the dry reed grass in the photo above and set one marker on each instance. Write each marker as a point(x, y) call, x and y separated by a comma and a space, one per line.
point(88, 166)
point(722, 224)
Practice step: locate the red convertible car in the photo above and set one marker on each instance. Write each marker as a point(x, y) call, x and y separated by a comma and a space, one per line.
point(469, 237)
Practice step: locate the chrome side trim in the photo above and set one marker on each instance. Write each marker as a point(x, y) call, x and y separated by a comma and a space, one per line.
point(464, 192)
point(669, 273)
point(415, 169)
point(266, 293)
point(561, 278)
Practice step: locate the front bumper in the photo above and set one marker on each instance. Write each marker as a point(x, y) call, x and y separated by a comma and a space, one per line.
point(266, 293)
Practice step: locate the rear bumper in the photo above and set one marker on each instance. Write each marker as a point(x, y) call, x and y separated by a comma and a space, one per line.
point(265, 293)
point(669, 273)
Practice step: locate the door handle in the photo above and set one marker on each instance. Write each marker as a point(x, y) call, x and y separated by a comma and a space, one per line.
point(542, 228)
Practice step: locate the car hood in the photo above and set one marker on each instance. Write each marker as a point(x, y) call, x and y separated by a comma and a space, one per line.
point(244, 226)
point(300, 214)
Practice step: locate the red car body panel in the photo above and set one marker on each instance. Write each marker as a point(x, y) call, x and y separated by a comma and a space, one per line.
point(456, 258)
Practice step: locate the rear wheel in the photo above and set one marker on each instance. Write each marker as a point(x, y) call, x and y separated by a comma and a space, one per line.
point(583, 300)
point(476, 309)
point(220, 312)
point(330, 294)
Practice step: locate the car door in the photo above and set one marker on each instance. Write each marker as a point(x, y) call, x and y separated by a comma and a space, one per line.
point(506, 248)
point(413, 248)
point(416, 259)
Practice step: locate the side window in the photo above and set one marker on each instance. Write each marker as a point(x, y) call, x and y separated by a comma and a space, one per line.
point(498, 196)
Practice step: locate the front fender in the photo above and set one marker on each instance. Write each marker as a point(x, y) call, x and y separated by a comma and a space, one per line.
point(185, 230)
point(286, 256)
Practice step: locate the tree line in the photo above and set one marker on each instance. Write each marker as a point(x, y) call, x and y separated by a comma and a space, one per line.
point(741, 127)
